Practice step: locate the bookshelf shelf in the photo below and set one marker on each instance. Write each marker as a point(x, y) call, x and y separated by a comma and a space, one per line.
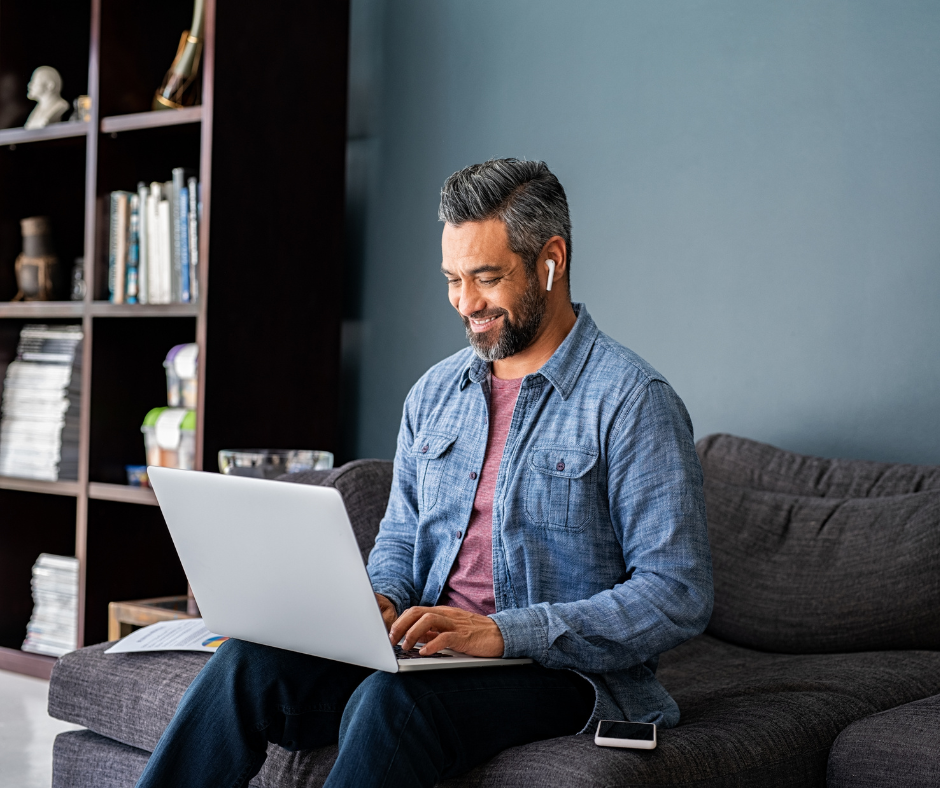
point(37, 486)
point(33, 310)
point(17, 661)
point(260, 178)
point(55, 131)
point(107, 309)
point(151, 120)
point(99, 491)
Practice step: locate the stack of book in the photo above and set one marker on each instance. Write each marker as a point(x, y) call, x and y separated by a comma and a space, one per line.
point(154, 242)
point(53, 627)
point(40, 404)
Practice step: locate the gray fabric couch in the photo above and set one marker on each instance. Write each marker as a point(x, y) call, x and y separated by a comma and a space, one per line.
point(827, 586)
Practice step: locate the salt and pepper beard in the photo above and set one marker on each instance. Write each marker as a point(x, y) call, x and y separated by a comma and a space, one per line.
point(514, 337)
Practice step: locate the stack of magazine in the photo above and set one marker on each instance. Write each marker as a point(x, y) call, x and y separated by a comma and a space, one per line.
point(40, 404)
point(153, 255)
point(53, 627)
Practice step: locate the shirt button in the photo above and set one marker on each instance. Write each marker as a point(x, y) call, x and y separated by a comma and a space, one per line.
point(459, 534)
point(560, 466)
point(473, 474)
point(424, 449)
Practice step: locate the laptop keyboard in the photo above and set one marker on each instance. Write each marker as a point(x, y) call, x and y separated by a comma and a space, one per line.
point(413, 653)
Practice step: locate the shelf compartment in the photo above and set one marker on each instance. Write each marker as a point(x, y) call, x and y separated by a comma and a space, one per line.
point(26, 663)
point(122, 493)
point(150, 120)
point(128, 381)
point(21, 542)
point(130, 556)
point(42, 180)
point(67, 488)
point(54, 131)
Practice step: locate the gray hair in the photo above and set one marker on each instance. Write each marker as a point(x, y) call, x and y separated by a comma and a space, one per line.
point(524, 195)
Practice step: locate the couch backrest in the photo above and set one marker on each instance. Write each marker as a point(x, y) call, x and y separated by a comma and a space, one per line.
point(814, 555)
point(365, 486)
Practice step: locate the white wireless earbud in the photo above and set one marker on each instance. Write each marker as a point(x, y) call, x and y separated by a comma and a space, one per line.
point(551, 273)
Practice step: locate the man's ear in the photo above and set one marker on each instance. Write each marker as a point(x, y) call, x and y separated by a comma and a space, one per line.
point(555, 249)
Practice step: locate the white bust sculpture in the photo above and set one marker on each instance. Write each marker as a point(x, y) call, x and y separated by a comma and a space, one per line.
point(45, 87)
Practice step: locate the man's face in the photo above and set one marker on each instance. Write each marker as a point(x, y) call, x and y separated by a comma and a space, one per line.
point(501, 304)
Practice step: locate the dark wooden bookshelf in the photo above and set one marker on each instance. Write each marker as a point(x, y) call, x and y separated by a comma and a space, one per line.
point(267, 322)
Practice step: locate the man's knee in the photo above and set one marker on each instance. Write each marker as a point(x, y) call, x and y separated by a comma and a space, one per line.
point(383, 699)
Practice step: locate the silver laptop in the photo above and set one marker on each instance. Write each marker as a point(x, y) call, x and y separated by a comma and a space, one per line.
point(278, 564)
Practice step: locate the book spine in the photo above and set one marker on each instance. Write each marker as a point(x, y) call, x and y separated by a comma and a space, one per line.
point(112, 247)
point(133, 248)
point(143, 246)
point(120, 266)
point(193, 239)
point(165, 230)
point(173, 194)
point(185, 293)
point(155, 291)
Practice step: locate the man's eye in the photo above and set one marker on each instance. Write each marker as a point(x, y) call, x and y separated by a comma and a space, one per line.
point(489, 281)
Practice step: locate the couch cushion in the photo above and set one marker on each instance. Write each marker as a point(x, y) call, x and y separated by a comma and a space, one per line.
point(899, 747)
point(748, 718)
point(804, 574)
point(747, 463)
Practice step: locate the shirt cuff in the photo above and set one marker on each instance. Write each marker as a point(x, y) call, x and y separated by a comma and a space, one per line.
point(524, 632)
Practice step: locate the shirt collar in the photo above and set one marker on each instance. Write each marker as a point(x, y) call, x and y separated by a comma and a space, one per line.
point(562, 369)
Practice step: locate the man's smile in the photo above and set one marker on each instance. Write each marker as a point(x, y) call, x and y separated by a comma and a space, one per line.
point(479, 325)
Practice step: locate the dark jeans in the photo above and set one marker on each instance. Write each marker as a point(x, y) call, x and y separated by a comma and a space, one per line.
point(393, 730)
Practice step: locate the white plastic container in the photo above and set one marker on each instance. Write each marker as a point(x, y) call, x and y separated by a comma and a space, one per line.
point(170, 438)
point(181, 368)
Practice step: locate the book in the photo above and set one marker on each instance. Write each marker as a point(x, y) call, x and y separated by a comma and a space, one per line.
point(143, 275)
point(117, 246)
point(53, 625)
point(154, 278)
point(153, 258)
point(183, 211)
point(164, 235)
point(133, 248)
point(40, 404)
point(192, 190)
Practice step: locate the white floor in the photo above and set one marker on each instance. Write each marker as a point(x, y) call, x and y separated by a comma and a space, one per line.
point(26, 732)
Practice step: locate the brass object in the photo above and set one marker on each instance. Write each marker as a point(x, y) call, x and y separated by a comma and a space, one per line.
point(36, 264)
point(179, 87)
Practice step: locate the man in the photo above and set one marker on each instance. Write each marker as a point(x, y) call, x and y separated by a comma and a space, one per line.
point(546, 502)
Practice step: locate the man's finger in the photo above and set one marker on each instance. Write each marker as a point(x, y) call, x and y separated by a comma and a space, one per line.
point(427, 622)
point(439, 643)
point(405, 621)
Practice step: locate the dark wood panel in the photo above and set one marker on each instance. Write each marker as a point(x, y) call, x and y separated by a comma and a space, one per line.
point(30, 524)
point(54, 131)
point(149, 120)
point(130, 556)
point(17, 661)
point(276, 248)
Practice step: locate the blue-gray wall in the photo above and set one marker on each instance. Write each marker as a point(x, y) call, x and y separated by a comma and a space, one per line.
point(754, 186)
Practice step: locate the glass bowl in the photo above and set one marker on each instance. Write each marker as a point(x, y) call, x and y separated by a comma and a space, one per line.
point(271, 463)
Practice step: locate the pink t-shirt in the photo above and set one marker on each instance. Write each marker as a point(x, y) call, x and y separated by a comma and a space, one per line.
point(470, 585)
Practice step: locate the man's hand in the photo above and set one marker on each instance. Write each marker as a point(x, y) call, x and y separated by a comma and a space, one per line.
point(389, 614)
point(448, 627)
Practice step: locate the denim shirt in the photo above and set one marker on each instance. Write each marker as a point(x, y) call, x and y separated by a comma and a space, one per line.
point(600, 552)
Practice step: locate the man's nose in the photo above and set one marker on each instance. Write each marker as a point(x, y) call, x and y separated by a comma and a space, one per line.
point(471, 300)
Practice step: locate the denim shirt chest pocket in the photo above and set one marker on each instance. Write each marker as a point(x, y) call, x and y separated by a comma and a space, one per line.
point(560, 487)
point(430, 451)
